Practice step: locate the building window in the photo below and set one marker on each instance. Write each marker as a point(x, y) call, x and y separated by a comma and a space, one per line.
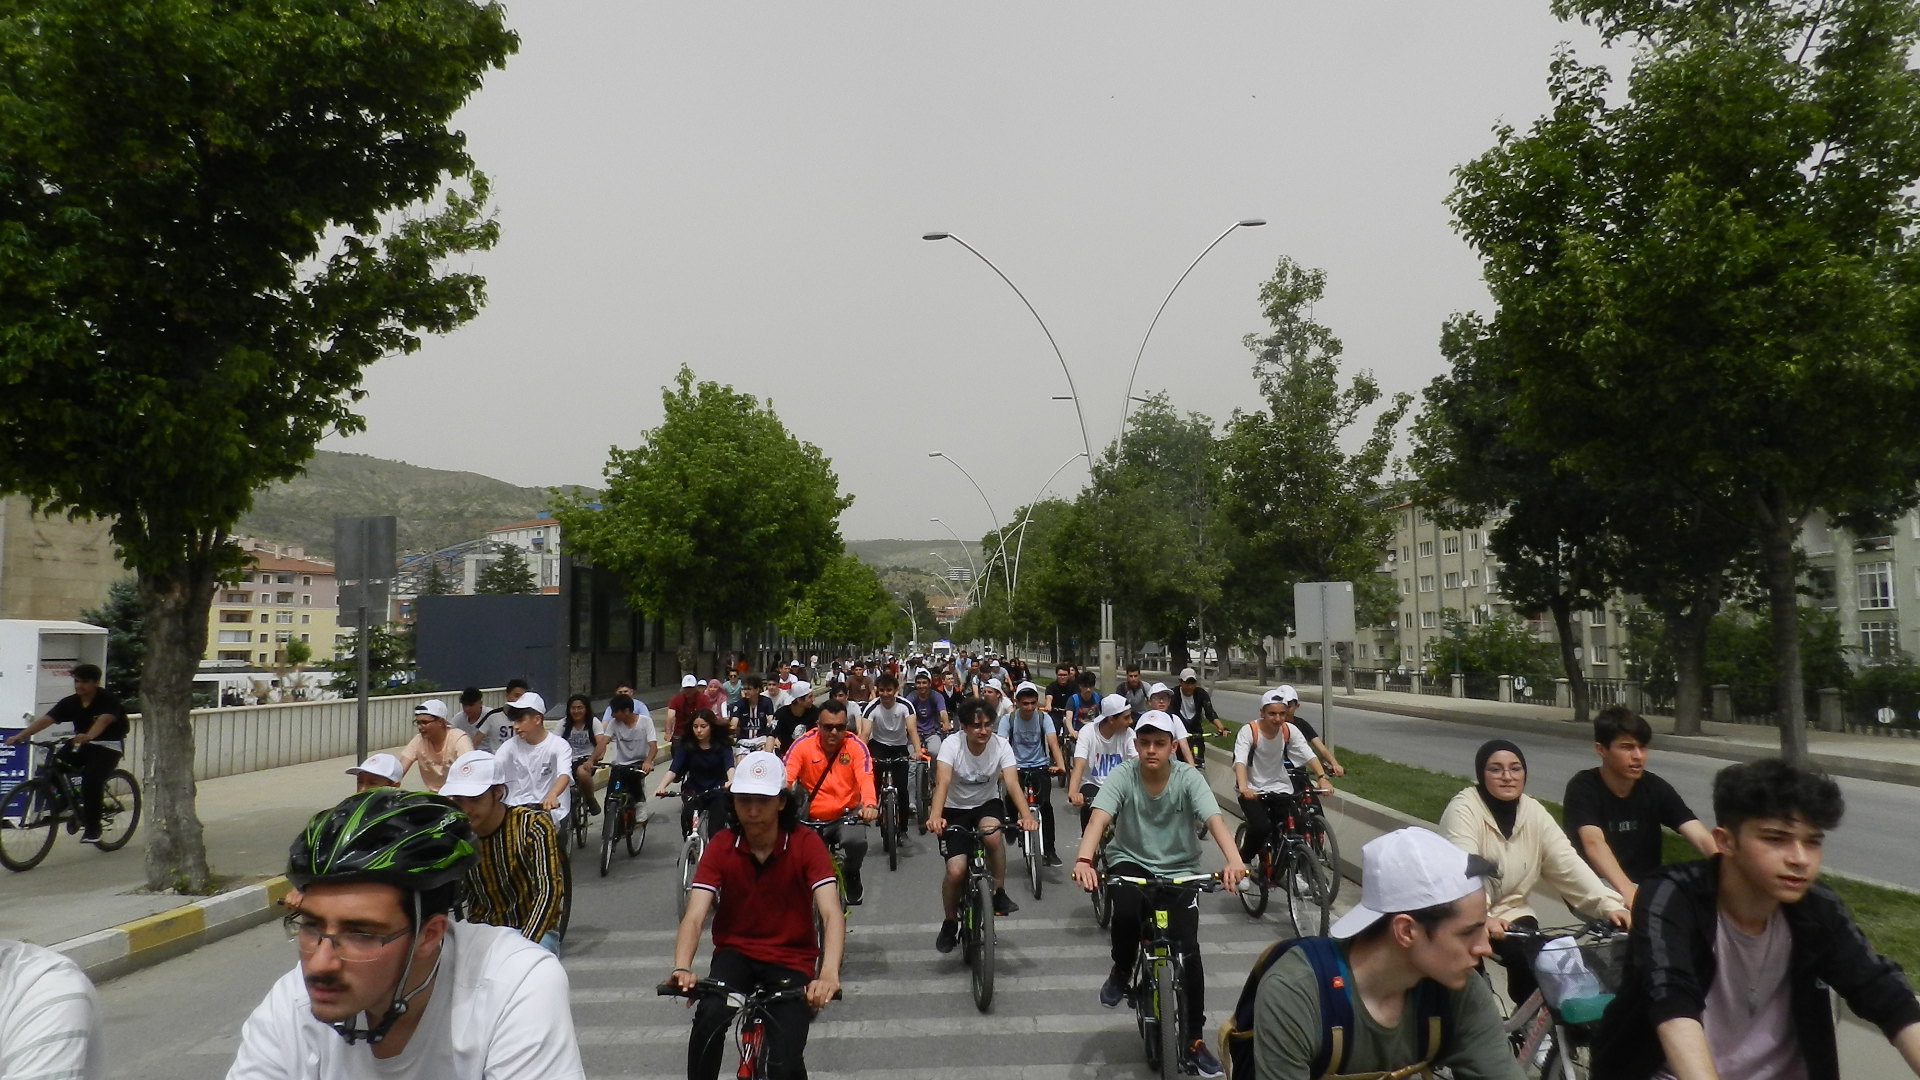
point(1473, 578)
point(283, 598)
point(306, 579)
point(1879, 639)
point(1426, 582)
point(283, 636)
point(239, 598)
point(263, 616)
point(263, 659)
point(263, 639)
point(306, 599)
point(305, 619)
point(1479, 614)
point(1597, 643)
point(1473, 540)
point(306, 638)
point(233, 656)
point(284, 579)
point(1405, 553)
point(1873, 585)
point(235, 637)
point(1428, 620)
point(234, 616)
point(1426, 549)
point(1406, 586)
point(1452, 580)
point(283, 617)
point(1406, 620)
point(1450, 545)
point(1360, 652)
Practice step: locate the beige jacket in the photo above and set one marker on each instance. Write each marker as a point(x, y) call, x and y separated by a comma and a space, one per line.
point(1537, 851)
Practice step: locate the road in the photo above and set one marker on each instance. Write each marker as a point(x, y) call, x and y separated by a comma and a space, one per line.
point(1874, 841)
point(904, 1002)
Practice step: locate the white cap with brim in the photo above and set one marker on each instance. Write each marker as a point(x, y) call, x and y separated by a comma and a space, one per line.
point(689, 680)
point(1188, 674)
point(1281, 695)
point(472, 775)
point(1114, 705)
point(529, 702)
point(1406, 870)
point(801, 689)
point(384, 766)
point(1026, 688)
point(431, 707)
point(1155, 720)
point(759, 773)
point(1159, 688)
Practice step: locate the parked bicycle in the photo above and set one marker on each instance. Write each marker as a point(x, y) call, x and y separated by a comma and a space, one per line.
point(1288, 863)
point(1155, 987)
point(625, 817)
point(976, 914)
point(1578, 969)
point(33, 810)
point(749, 1022)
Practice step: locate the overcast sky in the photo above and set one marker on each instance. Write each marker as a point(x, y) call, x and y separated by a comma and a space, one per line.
point(743, 187)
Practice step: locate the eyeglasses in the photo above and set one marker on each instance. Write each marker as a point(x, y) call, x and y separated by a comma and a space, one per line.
point(1506, 770)
point(354, 947)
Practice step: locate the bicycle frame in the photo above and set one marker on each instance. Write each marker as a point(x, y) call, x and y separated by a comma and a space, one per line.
point(750, 1016)
point(1156, 975)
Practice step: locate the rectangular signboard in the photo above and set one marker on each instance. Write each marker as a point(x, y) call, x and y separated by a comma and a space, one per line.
point(1323, 611)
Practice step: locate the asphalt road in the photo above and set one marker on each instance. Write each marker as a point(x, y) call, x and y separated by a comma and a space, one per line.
point(1875, 840)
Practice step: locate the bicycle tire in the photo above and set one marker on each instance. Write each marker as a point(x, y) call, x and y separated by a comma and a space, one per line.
point(610, 830)
point(1035, 862)
point(1157, 1022)
point(982, 902)
point(1253, 888)
point(25, 809)
point(1303, 883)
point(1102, 899)
point(1326, 849)
point(690, 850)
point(890, 830)
point(636, 831)
point(119, 810)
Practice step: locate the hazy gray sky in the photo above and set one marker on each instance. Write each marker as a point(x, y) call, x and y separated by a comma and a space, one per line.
point(743, 187)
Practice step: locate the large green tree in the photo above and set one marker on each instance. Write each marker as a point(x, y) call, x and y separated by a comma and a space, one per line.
point(720, 517)
point(844, 604)
point(126, 622)
point(212, 219)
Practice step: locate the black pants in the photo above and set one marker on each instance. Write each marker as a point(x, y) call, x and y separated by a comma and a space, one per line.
point(94, 763)
point(716, 805)
point(1517, 957)
point(1087, 793)
point(1042, 783)
point(1263, 815)
point(891, 762)
point(851, 839)
point(785, 1039)
point(1183, 925)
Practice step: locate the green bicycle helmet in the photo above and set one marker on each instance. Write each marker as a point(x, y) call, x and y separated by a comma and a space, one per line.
point(411, 839)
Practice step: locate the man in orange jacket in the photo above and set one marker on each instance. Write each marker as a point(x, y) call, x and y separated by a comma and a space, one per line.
point(835, 770)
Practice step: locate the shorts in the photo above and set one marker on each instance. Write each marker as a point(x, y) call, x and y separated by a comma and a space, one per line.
point(954, 845)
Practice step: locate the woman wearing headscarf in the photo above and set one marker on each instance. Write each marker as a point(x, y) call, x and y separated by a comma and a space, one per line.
point(1497, 820)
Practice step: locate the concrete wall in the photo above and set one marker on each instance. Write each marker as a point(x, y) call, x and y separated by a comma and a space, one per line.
point(52, 568)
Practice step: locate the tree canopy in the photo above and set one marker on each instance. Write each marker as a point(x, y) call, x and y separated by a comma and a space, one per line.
point(508, 575)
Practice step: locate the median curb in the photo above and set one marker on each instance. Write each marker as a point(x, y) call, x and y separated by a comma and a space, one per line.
point(115, 951)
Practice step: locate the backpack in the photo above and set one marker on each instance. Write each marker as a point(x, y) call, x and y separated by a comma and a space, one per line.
point(1430, 1000)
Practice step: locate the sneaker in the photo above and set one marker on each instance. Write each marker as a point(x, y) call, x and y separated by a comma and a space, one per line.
point(948, 937)
point(94, 839)
point(1003, 904)
point(1113, 991)
point(855, 894)
point(1053, 860)
point(1199, 1061)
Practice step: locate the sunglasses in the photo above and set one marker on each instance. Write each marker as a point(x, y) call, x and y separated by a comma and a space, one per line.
point(833, 727)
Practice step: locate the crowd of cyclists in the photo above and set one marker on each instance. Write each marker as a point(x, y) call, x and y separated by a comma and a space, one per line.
point(430, 924)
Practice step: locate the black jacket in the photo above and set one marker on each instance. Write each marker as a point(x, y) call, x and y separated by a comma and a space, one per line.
point(1670, 966)
point(1203, 711)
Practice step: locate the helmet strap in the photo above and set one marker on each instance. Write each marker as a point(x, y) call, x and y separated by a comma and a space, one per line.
point(397, 1008)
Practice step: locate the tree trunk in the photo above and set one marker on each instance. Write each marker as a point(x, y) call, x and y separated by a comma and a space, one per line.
point(1686, 631)
point(1562, 607)
point(1776, 552)
point(1260, 660)
point(176, 633)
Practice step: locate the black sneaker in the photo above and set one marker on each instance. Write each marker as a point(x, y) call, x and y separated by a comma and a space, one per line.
point(1003, 904)
point(1199, 1061)
point(948, 937)
point(1113, 991)
point(1053, 860)
point(94, 839)
point(855, 894)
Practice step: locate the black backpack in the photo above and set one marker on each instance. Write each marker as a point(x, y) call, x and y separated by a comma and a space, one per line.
point(1432, 1005)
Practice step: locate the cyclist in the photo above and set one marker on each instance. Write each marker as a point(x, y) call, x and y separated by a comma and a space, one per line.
point(1155, 805)
point(495, 728)
point(1160, 696)
point(886, 726)
point(994, 693)
point(1054, 700)
point(1614, 812)
point(836, 770)
point(606, 717)
point(388, 983)
point(1134, 690)
point(471, 720)
point(633, 742)
point(1496, 820)
point(379, 770)
point(797, 717)
point(682, 706)
point(1730, 960)
point(1083, 707)
point(435, 746)
point(929, 711)
point(703, 762)
point(538, 766)
point(752, 716)
point(100, 728)
point(766, 881)
point(967, 780)
point(1291, 698)
point(1192, 704)
point(1037, 754)
point(587, 741)
point(1261, 753)
point(1421, 920)
point(520, 879)
point(1101, 747)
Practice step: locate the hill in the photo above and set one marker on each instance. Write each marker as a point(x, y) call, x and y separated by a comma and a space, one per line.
point(434, 507)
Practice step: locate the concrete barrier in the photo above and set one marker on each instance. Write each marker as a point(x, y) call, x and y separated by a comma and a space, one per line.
point(144, 942)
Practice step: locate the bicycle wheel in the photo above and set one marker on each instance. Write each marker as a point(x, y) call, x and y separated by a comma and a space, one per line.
point(1034, 861)
point(635, 828)
point(1253, 888)
point(610, 830)
point(689, 858)
point(1304, 884)
point(890, 830)
point(1326, 850)
point(27, 821)
point(983, 944)
point(119, 810)
point(1102, 899)
point(1157, 1021)
point(577, 817)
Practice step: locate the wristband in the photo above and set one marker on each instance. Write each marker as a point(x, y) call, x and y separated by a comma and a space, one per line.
point(1084, 859)
point(676, 971)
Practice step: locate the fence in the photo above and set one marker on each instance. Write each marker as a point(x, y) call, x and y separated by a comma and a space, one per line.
point(249, 738)
point(1483, 686)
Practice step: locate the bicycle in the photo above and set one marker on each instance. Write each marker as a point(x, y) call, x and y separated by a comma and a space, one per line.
point(577, 821)
point(1155, 987)
point(890, 808)
point(625, 817)
point(1287, 862)
point(920, 779)
point(1552, 1031)
point(31, 810)
point(976, 914)
point(749, 1019)
point(694, 843)
point(1313, 822)
point(834, 853)
point(1033, 844)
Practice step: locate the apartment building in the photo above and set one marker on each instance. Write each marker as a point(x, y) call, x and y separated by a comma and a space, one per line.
point(283, 596)
point(538, 539)
point(1866, 581)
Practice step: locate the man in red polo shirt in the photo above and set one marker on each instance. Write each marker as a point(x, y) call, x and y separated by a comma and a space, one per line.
point(764, 878)
point(681, 707)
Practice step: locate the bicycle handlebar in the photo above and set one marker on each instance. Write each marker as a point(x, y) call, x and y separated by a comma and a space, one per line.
point(1198, 882)
point(1598, 930)
point(716, 988)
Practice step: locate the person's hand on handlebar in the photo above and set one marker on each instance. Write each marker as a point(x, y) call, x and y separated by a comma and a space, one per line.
point(1028, 823)
point(867, 815)
point(936, 825)
point(1621, 918)
point(821, 990)
point(1496, 927)
point(1231, 876)
point(680, 979)
point(1085, 877)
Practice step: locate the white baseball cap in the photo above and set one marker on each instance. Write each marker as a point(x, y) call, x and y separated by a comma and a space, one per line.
point(1026, 687)
point(801, 688)
point(431, 707)
point(689, 680)
point(1188, 673)
point(759, 773)
point(1114, 705)
point(384, 766)
point(995, 684)
point(1154, 718)
point(473, 773)
point(529, 702)
point(1285, 695)
point(1159, 688)
point(1406, 870)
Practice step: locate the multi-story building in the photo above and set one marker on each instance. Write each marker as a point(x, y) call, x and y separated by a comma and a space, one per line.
point(52, 568)
point(538, 539)
point(283, 596)
point(1865, 581)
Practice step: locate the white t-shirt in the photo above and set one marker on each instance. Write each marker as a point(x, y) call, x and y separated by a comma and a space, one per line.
point(976, 777)
point(509, 994)
point(629, 744)
point(1266, 762)
point(583, 739)
point(1102, 754)
point(889, 725)
point(530, 771)
point(494, 730)
point(49, 1016)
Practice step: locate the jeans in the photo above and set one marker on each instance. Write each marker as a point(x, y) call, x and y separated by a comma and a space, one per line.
point(716, 806)
point(1183, 925)
point(785, 1036)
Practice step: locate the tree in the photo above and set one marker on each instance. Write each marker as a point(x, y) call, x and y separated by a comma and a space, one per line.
point(389, 665)
point(176, 336)
point(508, 575)
point(1738, 283)
point(125, 619)
point(1499, 646)
point(719, 517)
point(1305, 508)
point(436, 581)
point(298, 653)
point(839, 605)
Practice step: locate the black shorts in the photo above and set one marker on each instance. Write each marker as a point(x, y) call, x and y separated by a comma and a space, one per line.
point(952, 844)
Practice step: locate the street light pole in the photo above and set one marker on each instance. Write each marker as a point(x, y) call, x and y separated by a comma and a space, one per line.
point(972, 568)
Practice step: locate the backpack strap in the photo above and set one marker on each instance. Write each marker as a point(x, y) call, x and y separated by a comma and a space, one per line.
point(1434, 1008)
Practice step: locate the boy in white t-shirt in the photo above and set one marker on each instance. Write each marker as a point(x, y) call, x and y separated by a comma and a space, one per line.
point(536, 763)
point(968, 777)
point(1099, 750)
point(1261, 753)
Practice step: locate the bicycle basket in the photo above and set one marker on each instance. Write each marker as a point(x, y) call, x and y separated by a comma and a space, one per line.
point(1578, 978)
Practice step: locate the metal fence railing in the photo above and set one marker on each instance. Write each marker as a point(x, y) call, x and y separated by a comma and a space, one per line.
point(1483, 686)
point(1437, 687)
point(1882, 712)
point(1604, 692)
point(1399, 684)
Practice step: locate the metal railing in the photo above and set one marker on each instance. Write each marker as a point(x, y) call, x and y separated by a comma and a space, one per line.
point(1483, 686)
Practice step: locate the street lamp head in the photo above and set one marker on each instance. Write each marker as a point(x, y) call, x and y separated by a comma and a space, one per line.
point(936, 453)
point(1245, 223)
point(1063, 397)
point(935, 236)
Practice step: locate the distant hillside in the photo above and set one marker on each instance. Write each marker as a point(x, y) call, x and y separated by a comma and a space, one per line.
point(914, 564)
point(435, 507)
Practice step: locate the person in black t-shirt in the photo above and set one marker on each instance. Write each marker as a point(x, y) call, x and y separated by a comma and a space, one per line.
point(100, 733)
point(1614, 813)
point(1054, 698)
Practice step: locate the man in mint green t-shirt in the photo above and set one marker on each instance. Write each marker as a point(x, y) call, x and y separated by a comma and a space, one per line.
point(1155, 803)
